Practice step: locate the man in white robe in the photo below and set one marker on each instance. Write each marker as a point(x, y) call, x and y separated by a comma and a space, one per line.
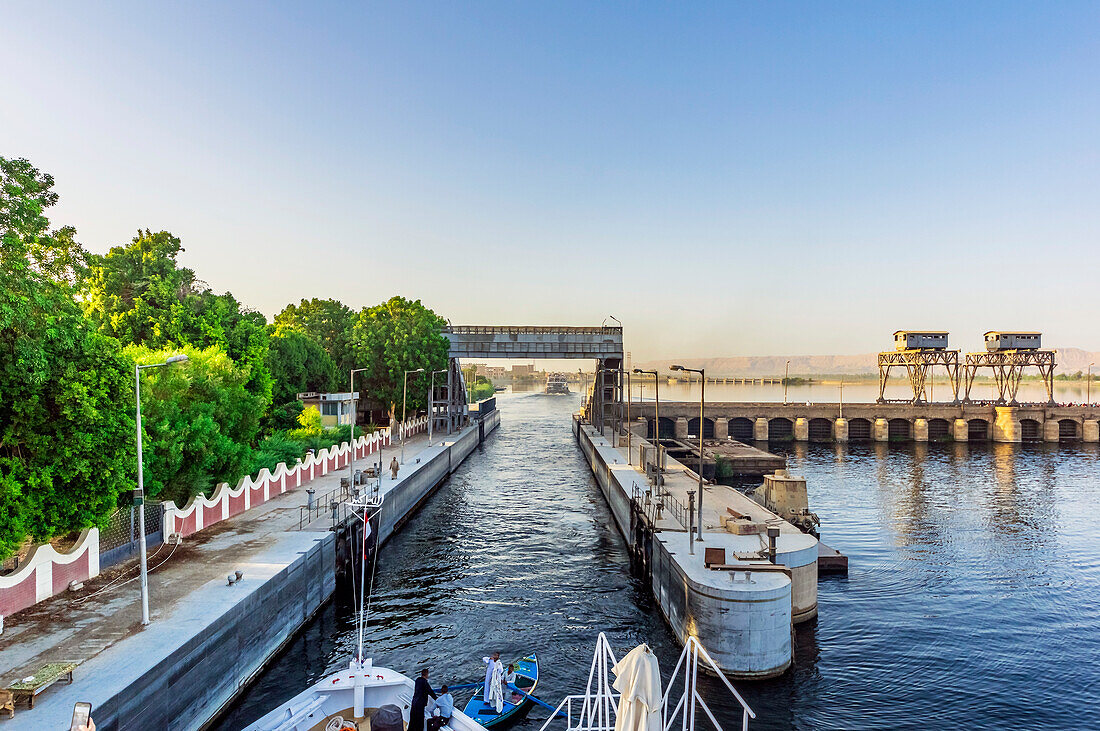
point(494, 674)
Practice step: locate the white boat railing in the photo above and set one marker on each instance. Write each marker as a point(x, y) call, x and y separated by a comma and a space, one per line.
point(598, 706)
point(690, 698)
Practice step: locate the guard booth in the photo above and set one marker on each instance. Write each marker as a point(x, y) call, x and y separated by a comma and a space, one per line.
point(920, 340)
point(997, 340)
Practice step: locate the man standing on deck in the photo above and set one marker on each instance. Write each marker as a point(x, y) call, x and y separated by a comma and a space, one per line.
point(421, 690)
point(494, 673)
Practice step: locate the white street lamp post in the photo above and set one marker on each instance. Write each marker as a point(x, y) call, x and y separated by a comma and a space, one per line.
point(786, 377)
point(141, 483)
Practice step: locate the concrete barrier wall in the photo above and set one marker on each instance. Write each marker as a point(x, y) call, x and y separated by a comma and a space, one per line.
point(201, 675)
point(46, 572)
point(745, 627)
point(202, 511)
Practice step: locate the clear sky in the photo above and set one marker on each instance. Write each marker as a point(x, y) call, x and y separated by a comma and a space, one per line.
point(726, 179)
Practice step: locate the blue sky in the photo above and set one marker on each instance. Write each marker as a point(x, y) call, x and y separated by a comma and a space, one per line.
point(726, 178)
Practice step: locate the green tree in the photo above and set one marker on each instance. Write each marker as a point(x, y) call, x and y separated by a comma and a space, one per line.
point(297, 364)
point(198, 421)
point(66, 430)
point(397, 336)
point(139, 294)
point(328, 322)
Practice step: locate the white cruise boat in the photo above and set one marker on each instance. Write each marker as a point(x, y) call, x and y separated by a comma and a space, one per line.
point(365, 697)
point(557, 383)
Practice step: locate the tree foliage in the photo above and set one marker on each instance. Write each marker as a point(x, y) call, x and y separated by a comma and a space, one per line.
point(139, 294)
point(297, 364)
point(328, 322)
point(198, 420)
point(396, 336)
point(66, 433)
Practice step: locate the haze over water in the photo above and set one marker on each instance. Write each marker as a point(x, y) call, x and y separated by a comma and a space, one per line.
point(971, 600)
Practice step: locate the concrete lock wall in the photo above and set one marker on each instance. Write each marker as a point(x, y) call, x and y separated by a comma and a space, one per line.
point(200, 675)
point(746, 627)
point(219, 640)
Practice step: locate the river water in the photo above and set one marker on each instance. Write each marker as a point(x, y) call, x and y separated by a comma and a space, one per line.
point(973, 597)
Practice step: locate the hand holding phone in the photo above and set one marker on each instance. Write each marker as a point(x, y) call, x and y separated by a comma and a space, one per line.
point(82, 718)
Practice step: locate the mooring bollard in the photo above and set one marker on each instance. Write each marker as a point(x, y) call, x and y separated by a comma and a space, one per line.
point(309, 498)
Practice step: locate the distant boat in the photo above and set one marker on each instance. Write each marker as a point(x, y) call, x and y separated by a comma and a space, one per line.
point(527, 677)
point(557, 383)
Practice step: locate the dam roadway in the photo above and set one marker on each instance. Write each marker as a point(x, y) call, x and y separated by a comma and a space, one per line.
point(879, 422)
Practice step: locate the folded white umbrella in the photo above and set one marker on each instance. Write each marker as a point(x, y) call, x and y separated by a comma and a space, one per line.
point(638, 678)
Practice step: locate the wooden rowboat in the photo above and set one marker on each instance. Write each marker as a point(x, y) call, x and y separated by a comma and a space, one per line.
point(516, 705)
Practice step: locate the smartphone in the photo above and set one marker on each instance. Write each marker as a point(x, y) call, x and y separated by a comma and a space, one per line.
point(82, 712)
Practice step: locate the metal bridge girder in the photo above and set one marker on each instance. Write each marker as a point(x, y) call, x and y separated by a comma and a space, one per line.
point(1008, 368)
point(508, 341)
point(918, 365)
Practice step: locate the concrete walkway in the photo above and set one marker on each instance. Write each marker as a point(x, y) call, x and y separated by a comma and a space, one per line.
point(100, 626)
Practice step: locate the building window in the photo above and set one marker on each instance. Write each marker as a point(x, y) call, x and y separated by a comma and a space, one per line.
point(330, 408)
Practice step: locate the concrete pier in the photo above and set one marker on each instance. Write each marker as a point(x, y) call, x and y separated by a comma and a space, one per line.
point(207, 639)
point(720, 589)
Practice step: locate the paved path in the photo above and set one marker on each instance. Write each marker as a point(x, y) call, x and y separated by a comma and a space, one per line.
point(84, 627)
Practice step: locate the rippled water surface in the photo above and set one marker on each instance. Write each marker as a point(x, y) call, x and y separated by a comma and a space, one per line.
point(973, 597)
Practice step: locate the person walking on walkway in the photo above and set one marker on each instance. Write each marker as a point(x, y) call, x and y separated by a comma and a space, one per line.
point(394, 468)
point(421, 690)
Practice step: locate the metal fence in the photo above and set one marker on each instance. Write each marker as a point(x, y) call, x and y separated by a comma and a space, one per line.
point(118, 540)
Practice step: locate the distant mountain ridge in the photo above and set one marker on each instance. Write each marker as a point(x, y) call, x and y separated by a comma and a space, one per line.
point(1069, 360)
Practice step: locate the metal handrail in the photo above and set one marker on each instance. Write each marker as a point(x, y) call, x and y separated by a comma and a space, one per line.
point(677, 508)
point(685, 706)
point(308, 513)
point(599, 708)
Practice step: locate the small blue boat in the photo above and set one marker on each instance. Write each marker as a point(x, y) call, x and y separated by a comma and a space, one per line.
point(516, 705)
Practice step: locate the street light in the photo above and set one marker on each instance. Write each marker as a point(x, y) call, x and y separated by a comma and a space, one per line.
point(431, 405)
point(1088, 386)
point(351, 462)
point(404, 401)
point(179, 358)
point(702, 401)
point(656, 422)
point(786, 377)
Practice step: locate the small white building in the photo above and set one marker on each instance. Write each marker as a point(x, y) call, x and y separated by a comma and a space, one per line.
point(335, 408)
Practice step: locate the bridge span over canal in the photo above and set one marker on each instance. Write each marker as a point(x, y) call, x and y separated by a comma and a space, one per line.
point(524, 341)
